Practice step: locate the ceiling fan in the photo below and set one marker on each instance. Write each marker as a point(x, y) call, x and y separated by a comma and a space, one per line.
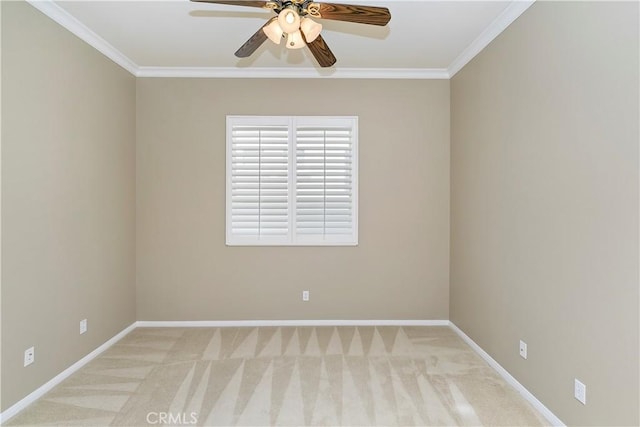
point(293, 22)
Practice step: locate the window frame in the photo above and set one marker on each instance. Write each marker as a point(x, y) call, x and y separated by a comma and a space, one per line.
point(292, 238)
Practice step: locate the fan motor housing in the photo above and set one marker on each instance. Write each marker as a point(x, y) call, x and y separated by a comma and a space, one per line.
point(303, 7)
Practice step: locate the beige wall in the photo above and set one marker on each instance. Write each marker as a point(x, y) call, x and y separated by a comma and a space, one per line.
point(1, 209)
point(400, 268)
point(544, 225)
point(68, 219)
point(544, 204)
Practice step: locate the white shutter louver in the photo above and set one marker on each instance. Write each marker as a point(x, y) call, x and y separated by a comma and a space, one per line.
point(259, 181)
point(292, 180)
point(324, 182)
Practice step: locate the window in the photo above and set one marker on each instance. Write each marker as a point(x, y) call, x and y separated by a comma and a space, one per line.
point(292, 180)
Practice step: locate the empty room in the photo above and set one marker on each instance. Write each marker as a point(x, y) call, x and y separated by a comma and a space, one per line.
point(310, 212)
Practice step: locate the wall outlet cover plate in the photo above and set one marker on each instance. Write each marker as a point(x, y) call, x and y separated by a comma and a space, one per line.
point(580, 392)
point(29, 356)
point(523, 349)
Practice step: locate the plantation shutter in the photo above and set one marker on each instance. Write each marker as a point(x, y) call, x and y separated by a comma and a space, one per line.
point(291, 181)
point(259, 178)
point(324, 190)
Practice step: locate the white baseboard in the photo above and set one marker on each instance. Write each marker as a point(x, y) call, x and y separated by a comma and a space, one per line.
point(550, 416)
point(13, 410)
point(39, 392)
point(254, 323)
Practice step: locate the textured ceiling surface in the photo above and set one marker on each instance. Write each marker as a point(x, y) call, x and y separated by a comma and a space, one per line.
point(421, 34)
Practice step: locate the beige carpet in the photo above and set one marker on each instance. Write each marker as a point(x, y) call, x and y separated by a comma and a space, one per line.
point(284, 376)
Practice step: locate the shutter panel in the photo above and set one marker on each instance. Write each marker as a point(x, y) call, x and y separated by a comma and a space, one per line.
point(324, 190)
point(292, 180)
point(259, 182)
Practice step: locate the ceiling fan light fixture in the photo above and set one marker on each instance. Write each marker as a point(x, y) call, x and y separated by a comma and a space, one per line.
point(289, 20)
point(273, 31)
point(310, 28)
point(293, 21)
point(295, 40)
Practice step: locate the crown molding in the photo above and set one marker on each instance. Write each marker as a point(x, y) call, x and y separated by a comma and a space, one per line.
point(293, 73)
point(68, 21)
point(506, 18)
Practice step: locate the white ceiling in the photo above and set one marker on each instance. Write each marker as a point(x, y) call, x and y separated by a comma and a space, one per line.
point(428, 38)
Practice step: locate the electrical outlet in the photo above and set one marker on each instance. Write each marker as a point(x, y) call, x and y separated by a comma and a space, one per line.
point(523, 349)
point(580, 392)
point(305, 295)
point(83, 326)
point(29, 356)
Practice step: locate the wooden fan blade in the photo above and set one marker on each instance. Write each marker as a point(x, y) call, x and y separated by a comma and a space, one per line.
point(321, 52)
point(253, 43)
point(249, 3)
point(361, 14)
